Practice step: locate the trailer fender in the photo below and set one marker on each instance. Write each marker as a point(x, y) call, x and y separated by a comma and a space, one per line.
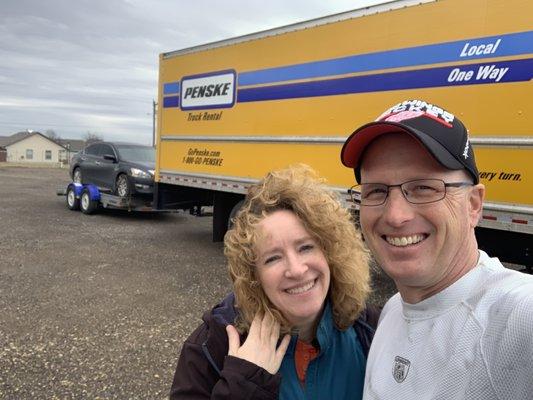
point(94, 193)
point(77, 187)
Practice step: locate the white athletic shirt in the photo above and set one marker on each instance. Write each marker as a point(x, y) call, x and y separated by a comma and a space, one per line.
point(473, 340)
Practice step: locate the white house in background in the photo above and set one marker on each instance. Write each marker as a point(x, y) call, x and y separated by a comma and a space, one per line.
point(33, 147)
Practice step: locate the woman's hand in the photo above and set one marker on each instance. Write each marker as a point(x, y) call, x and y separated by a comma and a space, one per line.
point(260, 345)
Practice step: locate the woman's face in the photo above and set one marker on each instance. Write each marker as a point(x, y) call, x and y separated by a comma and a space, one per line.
point(292, 268)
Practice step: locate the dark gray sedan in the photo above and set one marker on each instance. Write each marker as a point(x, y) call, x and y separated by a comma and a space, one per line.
point(124, 169)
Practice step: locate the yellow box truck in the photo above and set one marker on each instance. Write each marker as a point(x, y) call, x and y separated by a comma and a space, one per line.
point(230, 111)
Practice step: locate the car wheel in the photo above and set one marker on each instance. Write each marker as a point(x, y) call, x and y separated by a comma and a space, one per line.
point(122, 186)
point(87, 206)
point(73, 203)
point(76, 175)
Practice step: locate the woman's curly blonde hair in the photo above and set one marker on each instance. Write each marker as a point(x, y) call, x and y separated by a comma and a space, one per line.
point(298, 188)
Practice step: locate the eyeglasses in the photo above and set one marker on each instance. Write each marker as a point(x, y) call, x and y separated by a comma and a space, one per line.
point(419, 191)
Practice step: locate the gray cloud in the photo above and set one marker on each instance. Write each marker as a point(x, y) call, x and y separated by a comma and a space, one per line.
point(78, 66)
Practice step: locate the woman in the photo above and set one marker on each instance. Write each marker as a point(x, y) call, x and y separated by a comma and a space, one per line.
point(296, 325)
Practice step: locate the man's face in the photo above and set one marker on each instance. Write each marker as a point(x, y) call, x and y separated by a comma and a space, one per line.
point(422, 247)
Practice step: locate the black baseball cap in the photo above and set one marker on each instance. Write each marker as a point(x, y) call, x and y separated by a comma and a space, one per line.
point(438, 130)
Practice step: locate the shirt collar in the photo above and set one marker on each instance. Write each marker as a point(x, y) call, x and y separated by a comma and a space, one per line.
point(323, 331)
point(450, 296)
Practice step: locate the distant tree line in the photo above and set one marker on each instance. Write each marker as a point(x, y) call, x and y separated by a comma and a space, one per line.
point(89, 137)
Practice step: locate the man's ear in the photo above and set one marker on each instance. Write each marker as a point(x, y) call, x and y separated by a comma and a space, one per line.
point(476, 197)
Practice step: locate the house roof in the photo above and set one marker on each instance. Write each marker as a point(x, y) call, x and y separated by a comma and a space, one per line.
point(73, 145)
point(17, 137)
point(6, 141)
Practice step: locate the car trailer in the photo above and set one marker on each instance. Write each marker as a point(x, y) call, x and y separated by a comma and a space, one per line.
point(88, 198)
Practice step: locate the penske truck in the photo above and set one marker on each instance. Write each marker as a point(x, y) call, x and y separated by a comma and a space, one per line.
point(232, 110)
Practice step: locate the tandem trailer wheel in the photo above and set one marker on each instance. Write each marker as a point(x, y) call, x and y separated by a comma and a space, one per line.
point(87, 205)
point(73, 202)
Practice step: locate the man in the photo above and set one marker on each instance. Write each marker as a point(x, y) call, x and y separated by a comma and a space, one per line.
point(461, 326)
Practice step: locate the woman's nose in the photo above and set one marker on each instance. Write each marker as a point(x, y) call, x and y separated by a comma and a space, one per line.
point(295, 266)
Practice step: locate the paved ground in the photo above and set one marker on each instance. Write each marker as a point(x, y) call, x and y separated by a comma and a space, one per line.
point(96, 307)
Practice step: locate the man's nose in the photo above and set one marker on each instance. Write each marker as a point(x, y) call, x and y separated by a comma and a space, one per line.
point(296, 267)
point(397, 210)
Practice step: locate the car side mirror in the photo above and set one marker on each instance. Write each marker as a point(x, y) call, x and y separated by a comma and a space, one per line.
point(110, 157)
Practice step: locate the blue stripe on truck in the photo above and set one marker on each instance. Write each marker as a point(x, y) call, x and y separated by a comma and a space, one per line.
point(171, 101)
point(471, 74)
point(501, 45)
point(171, 88)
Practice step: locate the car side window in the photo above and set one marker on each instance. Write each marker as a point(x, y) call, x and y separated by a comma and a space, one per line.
point(92, 150)
point(105, 149)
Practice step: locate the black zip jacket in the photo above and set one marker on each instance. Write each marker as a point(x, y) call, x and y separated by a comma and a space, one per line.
point(205, 371)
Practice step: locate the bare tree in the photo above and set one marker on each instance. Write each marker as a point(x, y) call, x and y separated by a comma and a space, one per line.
point(52, 135)
point(92, 137)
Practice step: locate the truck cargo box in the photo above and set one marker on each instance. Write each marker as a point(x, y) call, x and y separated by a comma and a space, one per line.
point(231, 111)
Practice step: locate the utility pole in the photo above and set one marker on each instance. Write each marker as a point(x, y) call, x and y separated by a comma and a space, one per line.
point(154, 108)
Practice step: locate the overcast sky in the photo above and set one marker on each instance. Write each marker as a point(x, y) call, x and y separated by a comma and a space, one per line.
point(91, 65)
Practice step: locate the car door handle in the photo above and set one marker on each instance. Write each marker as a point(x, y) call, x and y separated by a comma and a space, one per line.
point(97, 162)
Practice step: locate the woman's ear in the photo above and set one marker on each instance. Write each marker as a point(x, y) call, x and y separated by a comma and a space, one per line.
point(476, 197)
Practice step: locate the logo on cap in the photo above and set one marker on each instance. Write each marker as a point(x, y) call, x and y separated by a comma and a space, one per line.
point(416, 108)
point(465, 151)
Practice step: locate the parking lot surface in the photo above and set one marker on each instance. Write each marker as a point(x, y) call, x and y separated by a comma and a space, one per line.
point(97, 307)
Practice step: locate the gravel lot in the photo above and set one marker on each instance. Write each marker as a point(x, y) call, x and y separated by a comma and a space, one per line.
point(97, 307)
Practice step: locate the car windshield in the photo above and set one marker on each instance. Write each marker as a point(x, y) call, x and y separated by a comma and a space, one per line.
point(136, 153)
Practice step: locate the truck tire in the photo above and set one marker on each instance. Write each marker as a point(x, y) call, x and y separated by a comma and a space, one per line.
point(87, 205)
point(223, 205)
point(73, 203)
point(233, 213)
point(122, 186)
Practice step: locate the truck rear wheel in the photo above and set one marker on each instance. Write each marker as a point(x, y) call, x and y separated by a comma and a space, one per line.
point(87, 205)
point(233, 214)
point(223, 205)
